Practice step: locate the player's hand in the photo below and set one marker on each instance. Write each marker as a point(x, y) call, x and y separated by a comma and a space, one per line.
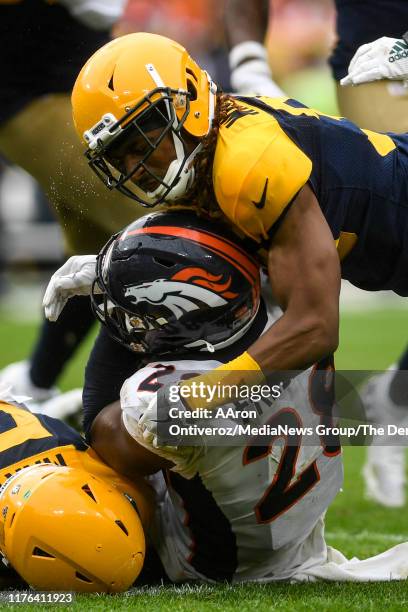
point(143, 424)
point(147, 423)
point(146, 419)
point(385, 58)
point(135, 409)
point(156, 415)
point(75, 277)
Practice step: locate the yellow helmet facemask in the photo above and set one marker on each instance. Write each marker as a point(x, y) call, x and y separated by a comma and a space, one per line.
point(139, 84)
point(64, 529)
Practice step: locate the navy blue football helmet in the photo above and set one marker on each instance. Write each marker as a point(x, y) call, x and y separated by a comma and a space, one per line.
point(173, 282)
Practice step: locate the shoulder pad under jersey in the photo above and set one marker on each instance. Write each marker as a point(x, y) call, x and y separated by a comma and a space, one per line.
point(257, 172)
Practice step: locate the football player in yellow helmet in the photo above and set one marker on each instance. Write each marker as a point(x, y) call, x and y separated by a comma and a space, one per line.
point(176, 114)
point(318, 197)
point(67, 520)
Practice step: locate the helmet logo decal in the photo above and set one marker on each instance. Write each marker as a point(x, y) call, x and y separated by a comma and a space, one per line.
point(177, 297)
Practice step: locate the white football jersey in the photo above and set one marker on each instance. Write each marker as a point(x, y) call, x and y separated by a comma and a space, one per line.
point(242, 512)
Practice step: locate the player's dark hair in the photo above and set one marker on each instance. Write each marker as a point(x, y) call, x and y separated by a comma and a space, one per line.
point(203, 191)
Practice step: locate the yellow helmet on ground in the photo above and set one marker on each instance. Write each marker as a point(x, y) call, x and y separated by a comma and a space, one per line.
point(132, 86)
point(62, 528)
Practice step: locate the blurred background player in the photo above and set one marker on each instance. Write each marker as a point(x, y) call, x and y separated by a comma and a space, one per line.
point(381, 66)
point(43, 46)
point(246, 27)
point(380, 106)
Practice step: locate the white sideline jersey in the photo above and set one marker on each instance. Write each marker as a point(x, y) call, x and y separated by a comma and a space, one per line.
point(243, 512)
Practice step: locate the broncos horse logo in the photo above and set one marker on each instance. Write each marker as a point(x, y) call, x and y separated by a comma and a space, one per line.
point(187, 290)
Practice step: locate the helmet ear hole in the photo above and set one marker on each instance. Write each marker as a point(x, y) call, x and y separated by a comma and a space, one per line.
point(192, 90)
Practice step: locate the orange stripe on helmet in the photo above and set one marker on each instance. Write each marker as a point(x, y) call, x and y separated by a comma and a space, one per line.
point(241, 260)
point(187, 273)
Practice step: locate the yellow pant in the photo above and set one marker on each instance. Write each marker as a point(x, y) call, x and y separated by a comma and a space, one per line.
point(41, 139)
point(371, 106)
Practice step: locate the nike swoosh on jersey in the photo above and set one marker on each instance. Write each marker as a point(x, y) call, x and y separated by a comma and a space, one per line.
point(261, 203)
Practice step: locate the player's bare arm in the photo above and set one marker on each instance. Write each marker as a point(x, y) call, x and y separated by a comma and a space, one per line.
point(246, 21)
point(304, 272)
point(246, 25)
point(118, 449)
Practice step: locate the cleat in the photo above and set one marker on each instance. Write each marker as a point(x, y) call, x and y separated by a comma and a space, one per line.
point(384, 475)
point(44, 401)
point(384, 470)
point(16, 375)
point(63, 405)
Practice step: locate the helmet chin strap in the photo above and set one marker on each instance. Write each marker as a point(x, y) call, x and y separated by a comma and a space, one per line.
point(185, 179)
point(186, 176)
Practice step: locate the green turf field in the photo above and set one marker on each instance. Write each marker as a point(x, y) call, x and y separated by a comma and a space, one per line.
point(369, 340)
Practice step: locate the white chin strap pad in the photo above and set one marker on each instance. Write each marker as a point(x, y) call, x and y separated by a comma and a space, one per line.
point(186, 176)
point(177, 163)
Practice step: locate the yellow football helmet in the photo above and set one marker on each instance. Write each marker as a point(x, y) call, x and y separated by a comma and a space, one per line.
point(62, 528)
point(137, 85)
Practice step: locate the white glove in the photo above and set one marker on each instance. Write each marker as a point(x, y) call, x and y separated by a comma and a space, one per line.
point(96, 14)
point(153, 416)
point(141, 422)
point(250, 71)
point(147, 423)
point(141, 419)
point(75, 277)
point(135, 404)
point(385, 58)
